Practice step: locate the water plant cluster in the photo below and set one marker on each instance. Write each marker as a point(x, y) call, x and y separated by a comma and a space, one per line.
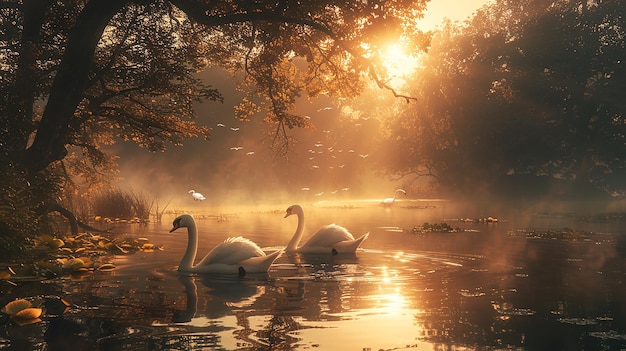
point(57, 256)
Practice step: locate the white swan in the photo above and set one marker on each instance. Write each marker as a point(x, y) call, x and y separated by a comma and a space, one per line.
point(390, 200)
point(234, 255)
point(196, 196)
point(332, 238)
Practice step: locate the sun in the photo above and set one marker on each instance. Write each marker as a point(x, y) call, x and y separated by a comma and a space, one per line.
point(398, 63)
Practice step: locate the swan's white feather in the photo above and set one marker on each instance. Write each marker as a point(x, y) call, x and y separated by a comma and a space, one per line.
point(232, 251)
point(329, 235)
point(329, 239)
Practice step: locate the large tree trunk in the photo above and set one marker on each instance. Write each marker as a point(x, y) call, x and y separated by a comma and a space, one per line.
point(69, 84)
point(18, 107)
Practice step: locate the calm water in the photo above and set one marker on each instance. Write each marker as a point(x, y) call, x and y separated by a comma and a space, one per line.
point(522, 283)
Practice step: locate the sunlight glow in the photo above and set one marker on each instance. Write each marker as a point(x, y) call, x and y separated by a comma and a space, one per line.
point(398, 63)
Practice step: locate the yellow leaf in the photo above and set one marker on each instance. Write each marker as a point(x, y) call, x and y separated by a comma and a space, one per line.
point(5, 275)
point(15, 306)
point(106, 267)
point(56, 243)
point(74, 264)
point(29, 313)
point(46, 238)
point(147, 246)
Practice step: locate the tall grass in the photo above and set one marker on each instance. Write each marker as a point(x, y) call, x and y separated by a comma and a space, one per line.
point(119, 204)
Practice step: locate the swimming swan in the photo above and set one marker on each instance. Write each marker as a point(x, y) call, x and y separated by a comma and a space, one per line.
point(332, 238)
point(234, 255)
point(390, 200)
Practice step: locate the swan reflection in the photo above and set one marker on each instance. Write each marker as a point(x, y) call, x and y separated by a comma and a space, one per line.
point(224, 294)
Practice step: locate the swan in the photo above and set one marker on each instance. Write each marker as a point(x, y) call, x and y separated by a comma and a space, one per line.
point(196, 196)
point(388, 201)
point(234, 255)
point(332, 238)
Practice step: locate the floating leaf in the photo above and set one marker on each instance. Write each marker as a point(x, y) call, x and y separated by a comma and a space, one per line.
point(45, 238)
point(74, 264)
point(29, 313)
point(27, 316)
point(15, 306)
point(106, 267)
point(5, 275)
point(56, 243)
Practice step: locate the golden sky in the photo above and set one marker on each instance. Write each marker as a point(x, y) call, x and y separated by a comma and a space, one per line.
point(454, 10)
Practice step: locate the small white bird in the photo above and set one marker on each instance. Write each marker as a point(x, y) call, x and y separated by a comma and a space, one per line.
point(390, 200)
point(234, 129)
point(196, 196)
point(236, 148)
point(221, 125)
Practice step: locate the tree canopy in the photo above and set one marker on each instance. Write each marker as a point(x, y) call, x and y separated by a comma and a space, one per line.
point(79, 74)
point(527, 90)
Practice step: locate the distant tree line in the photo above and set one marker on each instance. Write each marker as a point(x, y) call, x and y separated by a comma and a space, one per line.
point(527, 98)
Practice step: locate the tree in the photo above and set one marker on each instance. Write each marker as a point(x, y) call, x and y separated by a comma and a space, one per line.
point(80, 74)
point(526, 90)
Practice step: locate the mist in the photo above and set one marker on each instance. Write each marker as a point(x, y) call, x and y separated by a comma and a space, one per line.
point(237, 166)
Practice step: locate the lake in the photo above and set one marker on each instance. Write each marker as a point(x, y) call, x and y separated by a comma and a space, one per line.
point(535, 279)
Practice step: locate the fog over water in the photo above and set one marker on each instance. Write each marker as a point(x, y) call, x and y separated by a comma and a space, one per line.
point(329, 162)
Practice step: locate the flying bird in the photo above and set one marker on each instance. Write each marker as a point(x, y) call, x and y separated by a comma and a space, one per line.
point(221, 125)
point(234, 129)
point(236, 148)
point(196, 196)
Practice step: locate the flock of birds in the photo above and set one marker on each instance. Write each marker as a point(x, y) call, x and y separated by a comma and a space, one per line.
point(326, 153)
point(238, 255)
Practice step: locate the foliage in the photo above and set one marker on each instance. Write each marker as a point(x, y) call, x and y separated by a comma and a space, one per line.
point(120, 204)
point(528, 90)
point(77, 75)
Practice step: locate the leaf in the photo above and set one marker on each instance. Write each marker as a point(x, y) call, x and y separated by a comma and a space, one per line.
point(56, 243)
point(106, 267)
point(74, 264)
point(16, 306)
point(29, 313)
point(27, 316)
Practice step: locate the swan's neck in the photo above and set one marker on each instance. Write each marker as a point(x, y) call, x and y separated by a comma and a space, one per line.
point(295, 240)
point(186, 262)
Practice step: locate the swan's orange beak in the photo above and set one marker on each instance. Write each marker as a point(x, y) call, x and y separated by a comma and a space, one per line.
point(287, 214)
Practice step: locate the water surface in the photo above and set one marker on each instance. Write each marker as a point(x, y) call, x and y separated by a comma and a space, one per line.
point(530, 281)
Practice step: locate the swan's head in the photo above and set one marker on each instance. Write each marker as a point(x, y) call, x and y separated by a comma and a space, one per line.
point(191, 191)
point(401, 191)
point(185, 220)
point(293, 209)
